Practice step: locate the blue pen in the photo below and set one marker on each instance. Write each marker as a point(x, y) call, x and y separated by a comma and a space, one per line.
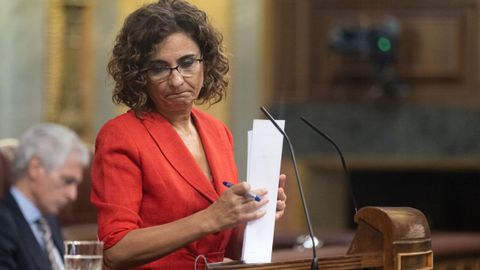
point(248, 194)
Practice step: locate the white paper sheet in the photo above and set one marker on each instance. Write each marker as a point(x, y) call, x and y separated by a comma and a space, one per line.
point(263, 170)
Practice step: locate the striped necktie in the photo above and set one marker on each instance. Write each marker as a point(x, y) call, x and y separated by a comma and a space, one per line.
point(48, 242)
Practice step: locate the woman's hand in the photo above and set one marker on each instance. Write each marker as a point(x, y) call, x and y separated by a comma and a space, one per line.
point(234, 208)
point(281, 197)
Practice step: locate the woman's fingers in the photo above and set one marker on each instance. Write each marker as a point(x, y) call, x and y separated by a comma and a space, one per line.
point(281, 197)
point(282, 181)
point(243, 189)
point(280, 209)
point(235, 206)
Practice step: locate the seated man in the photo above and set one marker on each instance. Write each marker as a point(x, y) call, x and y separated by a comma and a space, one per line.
point(48, 166)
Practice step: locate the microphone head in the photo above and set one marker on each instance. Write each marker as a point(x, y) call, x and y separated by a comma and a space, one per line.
point(270, 117)
point(267, 114)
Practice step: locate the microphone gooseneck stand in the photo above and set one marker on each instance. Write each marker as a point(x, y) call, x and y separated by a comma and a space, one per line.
point(314, 265)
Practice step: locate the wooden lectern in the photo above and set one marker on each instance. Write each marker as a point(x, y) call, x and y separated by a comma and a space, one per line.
point(390, 238)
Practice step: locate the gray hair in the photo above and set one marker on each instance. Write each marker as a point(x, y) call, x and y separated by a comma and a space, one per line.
point(52, 144)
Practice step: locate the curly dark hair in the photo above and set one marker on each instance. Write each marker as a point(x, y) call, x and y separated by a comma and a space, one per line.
point(135, 45)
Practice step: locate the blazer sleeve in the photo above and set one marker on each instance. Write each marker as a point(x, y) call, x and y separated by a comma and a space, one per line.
point(116, 183)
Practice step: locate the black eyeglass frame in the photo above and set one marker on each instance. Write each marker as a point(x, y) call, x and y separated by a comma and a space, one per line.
point(171, 70)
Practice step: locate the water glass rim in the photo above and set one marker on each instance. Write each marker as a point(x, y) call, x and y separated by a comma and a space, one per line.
point(82, 242)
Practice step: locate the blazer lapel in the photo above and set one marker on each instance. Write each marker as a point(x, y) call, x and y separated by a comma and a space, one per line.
point(175, 151)
point(29, 241)
point(217, 151)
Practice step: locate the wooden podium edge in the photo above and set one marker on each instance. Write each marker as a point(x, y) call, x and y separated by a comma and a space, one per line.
point(367, 260)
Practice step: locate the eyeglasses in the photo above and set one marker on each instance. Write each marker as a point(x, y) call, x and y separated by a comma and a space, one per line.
point(186, 67)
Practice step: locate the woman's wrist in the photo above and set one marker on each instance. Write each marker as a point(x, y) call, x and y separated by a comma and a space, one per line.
point(208, 224)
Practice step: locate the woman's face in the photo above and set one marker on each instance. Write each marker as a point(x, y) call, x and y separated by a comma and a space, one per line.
point(175, 74)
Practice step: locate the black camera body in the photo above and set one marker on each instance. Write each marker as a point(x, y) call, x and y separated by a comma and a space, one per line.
point(377, 43)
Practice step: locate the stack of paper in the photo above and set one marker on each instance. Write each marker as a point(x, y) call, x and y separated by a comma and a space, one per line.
point(263, 170)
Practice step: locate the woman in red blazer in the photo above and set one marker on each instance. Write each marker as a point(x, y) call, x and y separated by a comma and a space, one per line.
point(158, 169)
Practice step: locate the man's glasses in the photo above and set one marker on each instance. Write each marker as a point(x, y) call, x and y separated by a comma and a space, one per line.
point(187, 67)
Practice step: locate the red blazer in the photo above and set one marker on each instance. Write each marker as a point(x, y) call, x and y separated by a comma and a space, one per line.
point(144, 175)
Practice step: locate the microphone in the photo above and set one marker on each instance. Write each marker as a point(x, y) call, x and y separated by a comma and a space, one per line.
point(347, 173)
point(314, 265)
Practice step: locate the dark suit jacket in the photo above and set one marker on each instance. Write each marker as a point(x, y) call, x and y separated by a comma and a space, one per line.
point(19, 249)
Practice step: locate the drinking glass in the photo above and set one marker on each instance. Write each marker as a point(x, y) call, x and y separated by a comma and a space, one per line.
point(83, 255)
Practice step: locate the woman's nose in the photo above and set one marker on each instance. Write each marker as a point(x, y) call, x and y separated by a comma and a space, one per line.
point(176, 78)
